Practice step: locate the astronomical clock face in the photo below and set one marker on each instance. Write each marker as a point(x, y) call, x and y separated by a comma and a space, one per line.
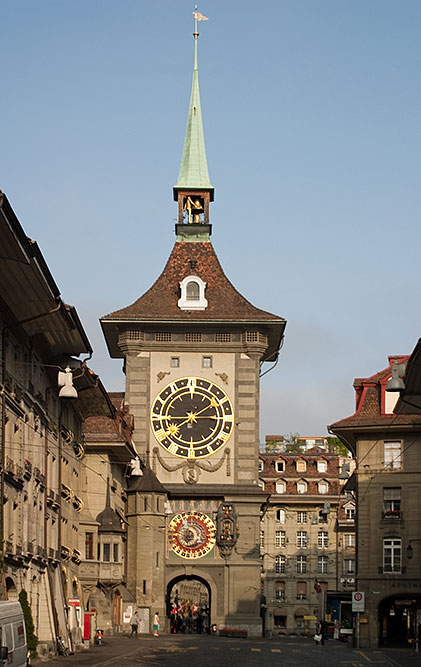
point(192, 534)
point(192, 418)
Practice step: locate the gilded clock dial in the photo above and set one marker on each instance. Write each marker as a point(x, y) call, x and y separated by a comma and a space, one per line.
point(192, 534)
point(192, 418)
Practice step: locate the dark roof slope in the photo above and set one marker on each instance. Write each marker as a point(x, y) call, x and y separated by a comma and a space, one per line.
point(160, 302)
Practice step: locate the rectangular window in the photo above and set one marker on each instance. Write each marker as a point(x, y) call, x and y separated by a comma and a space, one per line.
point(301, 517)
point(349, 566)
point(301, 590)
point(206, 362)
point(280, 590)
point(280, 466)
point(260, 466)
point(162, 336)
point(280, 538)
point(115, 553)
point(322, 465)
point(175, 362)
point(301, 564)
point(392, 453)
point(392, 555)
point(350, 514)
point(193, 337)
point(222, 337)
point(322, 564)
point(280, 487)
point(89, 546)
point(302, 539)
point(349, 540)
point(280, 564)
point(301, 465)
point(144, 587)
point(106, 552)
point(262, 538)
point(323, 539)
point(392, 502)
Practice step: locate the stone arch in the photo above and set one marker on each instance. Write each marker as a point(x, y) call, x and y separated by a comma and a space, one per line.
point(12, 591)
point(398, 629)
point(208, 583)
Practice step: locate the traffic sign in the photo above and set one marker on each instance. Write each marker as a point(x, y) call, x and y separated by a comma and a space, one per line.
point(358, 601)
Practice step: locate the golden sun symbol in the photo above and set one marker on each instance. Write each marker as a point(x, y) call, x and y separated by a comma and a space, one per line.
point(172, 429)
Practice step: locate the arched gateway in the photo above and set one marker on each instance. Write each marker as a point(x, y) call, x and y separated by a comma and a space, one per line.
point(189, 605)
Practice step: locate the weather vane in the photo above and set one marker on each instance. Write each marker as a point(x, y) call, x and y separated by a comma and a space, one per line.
point(198, 17)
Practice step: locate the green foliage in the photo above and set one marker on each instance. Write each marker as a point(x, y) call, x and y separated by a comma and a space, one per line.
point(31, 638)
point(291, 444)
point(336, 446)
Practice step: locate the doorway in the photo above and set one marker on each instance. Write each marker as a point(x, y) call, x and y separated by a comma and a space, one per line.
point(399, 617)
point(189, 605)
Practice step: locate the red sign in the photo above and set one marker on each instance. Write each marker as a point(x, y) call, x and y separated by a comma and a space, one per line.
point(74, 602)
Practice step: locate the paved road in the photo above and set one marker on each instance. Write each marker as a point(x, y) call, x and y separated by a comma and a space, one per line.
point(205, 651)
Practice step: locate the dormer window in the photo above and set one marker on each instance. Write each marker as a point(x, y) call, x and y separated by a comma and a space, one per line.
point(323, 486)
point(279, 466)
point(301, 486)
point(192, 294)
point(192, 291)
point(301, 465)
point(280, 486)
point(322, 465)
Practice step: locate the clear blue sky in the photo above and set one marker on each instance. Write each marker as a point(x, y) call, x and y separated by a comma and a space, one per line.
point(312, 124)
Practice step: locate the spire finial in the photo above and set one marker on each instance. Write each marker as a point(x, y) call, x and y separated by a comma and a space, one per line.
point(193, 172)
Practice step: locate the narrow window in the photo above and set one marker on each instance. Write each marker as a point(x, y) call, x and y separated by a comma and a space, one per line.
point(392, 503)
point(301, 517)
point(322, 564)
point(280, 590)
point(323, 539)
point(115, 553)
point(280, 538)
point(301, 590)
point(206, 362)
point(192, 291)
point(89, 546)
point(302, 539)
point(301, 564)
point(106, 552)
point(280, 516)
point(280, 564)
point(392, 555)
point(175, 362)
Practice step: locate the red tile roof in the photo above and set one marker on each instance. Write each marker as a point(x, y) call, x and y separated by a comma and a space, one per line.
point(160, 302)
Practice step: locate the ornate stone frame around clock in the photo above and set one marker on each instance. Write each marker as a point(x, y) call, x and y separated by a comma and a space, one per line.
point(190, 469)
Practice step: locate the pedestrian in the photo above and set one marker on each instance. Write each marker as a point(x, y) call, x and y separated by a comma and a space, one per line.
point(156, 624)
point(319, 636)
point(134, 622)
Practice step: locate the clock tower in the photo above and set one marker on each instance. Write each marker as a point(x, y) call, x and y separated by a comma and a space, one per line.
point(193, 348)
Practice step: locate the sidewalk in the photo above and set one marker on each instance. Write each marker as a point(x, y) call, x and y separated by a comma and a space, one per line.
point(111, 647)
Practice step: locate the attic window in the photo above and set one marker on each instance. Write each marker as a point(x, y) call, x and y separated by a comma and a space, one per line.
point(192, 294)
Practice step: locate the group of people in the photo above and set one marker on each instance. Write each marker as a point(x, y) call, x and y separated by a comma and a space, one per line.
point(135, 621)
point(188, 618)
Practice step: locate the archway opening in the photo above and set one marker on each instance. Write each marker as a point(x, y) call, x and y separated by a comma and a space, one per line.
point(189, 605)
point(398, 619)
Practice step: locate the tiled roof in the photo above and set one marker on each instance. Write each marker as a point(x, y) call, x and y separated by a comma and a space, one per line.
point(369, 404)
point(160, 302)
point(101, 429)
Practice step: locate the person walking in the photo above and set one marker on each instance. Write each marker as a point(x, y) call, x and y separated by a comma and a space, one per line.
point(156, 624)
point(134, 622)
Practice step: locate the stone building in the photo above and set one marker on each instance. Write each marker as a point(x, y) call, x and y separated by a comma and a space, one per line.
point(385, 439)
point(192, 348)
point(43, 468)
point(307, 541)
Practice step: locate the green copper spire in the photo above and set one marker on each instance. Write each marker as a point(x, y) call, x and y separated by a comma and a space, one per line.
point(194, 167)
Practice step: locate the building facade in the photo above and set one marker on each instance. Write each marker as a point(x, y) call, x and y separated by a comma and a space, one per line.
point(307, 542)
point(43, 473)
point(192, 348)
point(387, 484)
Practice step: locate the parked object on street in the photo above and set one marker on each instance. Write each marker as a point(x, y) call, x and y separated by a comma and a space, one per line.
point(13, 649)
point(98, 637)
point(61, 648)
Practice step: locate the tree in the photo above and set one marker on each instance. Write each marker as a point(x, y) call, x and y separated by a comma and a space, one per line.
point(337, 446)
point(31, 638)
point(292, 446)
